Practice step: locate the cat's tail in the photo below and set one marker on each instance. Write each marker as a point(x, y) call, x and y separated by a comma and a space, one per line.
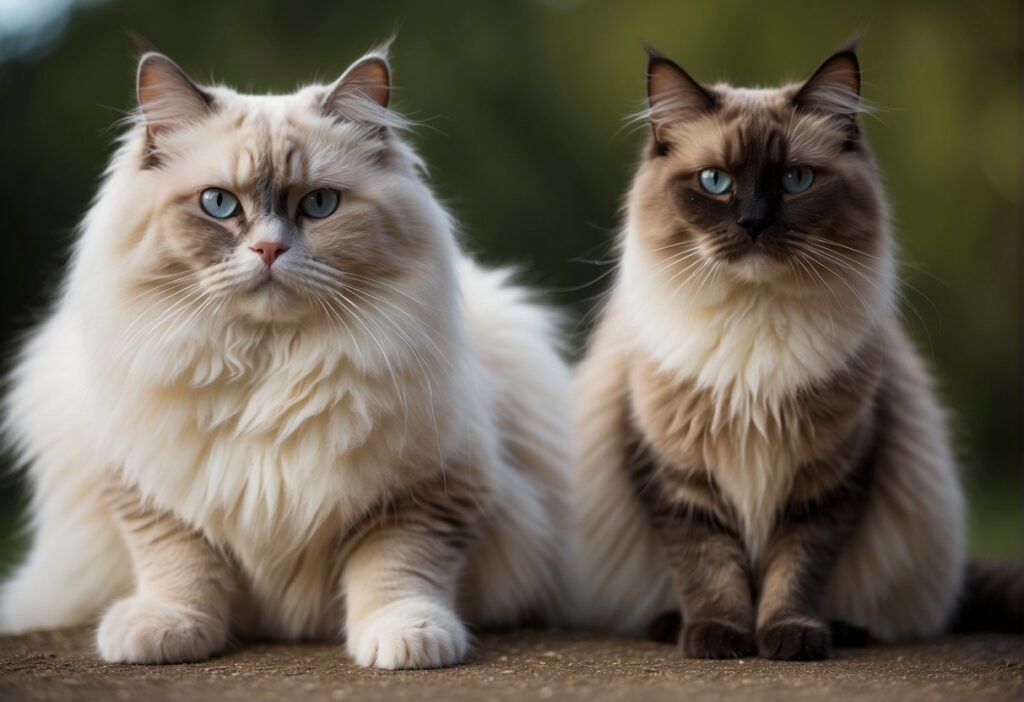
point(992, 598)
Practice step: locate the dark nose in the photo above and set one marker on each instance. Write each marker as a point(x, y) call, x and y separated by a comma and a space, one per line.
point(757, 213)
point(755, 225)
point(268, 250)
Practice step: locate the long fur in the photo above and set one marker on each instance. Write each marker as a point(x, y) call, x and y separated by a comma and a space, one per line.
point(283, 434)
point(712, 362)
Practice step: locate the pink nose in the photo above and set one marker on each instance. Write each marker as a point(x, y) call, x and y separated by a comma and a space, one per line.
point(268, 250)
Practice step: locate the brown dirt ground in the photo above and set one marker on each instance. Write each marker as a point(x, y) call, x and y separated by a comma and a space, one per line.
point(524, 665)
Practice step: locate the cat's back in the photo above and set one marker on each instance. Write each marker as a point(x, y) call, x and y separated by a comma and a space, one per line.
point(519, 374)
point(515, 343)
point(515, 347)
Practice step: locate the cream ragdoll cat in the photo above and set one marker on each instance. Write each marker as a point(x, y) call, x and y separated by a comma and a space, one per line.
point(275, 400)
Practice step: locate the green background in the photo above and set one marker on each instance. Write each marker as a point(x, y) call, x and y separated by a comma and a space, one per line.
point(522, 108)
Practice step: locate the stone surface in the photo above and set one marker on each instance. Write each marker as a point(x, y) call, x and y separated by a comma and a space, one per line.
point(527, 665)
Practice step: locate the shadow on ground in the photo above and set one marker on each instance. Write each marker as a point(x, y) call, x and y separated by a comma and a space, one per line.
point(520, 666)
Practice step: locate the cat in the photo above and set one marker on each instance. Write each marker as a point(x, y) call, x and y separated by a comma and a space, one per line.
point(275, 400)
point(758, 443)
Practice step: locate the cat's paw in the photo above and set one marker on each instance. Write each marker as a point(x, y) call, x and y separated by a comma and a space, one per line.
point(714, 639)
point(148, 630)
point(408, 635)
point(795, 640)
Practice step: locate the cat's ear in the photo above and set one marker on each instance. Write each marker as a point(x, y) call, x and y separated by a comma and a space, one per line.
point(672, 95)
point(167, 97)
point(366, 84)
point(834, 89)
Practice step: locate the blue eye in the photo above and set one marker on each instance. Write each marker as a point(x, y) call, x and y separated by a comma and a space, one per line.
point(218, 203)
point(319, 203)
point(797, 179)
point(715, 181)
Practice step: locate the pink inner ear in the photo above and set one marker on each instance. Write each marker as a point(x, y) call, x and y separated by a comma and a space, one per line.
point(370, 78)
point(375, 84)
point(167, 96)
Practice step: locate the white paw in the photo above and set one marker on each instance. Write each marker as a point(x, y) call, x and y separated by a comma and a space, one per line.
point(149, 630)
point(408, 635)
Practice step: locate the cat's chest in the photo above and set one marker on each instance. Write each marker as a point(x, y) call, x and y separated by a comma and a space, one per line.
point(750, 450)
point(285, 428)
point(265, 453)
point(337, 406)
point(701, 427)
point(759, 449)
point(755, 344)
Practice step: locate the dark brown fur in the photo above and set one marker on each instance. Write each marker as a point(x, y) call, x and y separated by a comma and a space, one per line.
point(724, 593)
point(993, 598)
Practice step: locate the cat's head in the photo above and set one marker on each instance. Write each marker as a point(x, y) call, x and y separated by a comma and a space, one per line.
point(272, 208)
point(756, 186)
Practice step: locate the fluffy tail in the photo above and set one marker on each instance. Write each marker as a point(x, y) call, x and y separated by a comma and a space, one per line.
point(992, 598)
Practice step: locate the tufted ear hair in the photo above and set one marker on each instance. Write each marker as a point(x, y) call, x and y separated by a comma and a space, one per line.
point(672, 95)
point(167, 97)
point(365, 85)
point(834, 88)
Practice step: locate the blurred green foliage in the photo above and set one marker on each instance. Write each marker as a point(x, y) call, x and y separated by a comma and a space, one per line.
point(522, 108)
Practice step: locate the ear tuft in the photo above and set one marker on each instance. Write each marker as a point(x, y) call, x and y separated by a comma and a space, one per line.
point(167, 97)
point(834, 88)
point(142, 45)
point(672, 95)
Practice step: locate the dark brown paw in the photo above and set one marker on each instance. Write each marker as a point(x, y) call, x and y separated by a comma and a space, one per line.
point(716, 640)
point(794, 641)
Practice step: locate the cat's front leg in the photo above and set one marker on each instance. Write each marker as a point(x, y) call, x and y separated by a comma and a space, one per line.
point(710, 566)
point(798, 563)
point(181, 607)
point(400, 585)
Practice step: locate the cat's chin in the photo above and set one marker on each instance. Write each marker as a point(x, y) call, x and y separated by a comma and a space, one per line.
point(757, 267)
point(272, 302)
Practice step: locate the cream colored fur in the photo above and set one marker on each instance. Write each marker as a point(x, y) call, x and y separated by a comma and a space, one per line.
point(260, 434)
